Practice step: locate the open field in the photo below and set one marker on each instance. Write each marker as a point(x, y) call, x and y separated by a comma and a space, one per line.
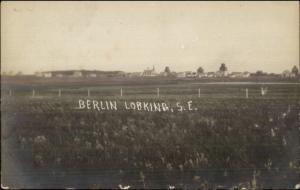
point(32, 81)
point(166, 89)
point(229, 141)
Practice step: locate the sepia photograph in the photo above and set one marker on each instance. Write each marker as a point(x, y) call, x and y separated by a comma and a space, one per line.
point(150, 95)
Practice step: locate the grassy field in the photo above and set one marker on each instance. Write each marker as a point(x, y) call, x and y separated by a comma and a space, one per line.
point(230, 141)
point(191, 89)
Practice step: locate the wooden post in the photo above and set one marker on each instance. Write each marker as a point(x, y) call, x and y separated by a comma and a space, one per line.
point(59, 92)
point(247, 93)
point(199, 93)
point(89, 92)
point(263, 91)
point(121, 92)
point(158, 92)
point(33, 93)
point(10, 92)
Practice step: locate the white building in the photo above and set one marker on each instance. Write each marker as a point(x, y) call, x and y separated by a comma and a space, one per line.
point(239, 75)
point(211, 74)
point(221, 74)
point(191, 74)
point(288, 74)
point(202, 75)
point(77, 74)
point(92, 75)
point(181, 75)
point(150, 72)
point(46, 74)
point(134, 74)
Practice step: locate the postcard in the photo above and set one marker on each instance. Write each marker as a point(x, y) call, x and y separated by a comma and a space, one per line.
point(150, 95)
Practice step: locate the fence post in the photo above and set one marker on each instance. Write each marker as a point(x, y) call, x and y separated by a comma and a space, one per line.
point(158, 92)
point(10, 93)
point(33, 93)
point(89, 92)
point(199, 93)
point(121, 92)
point(247, 93)
point(59, 92)
point(264, 91)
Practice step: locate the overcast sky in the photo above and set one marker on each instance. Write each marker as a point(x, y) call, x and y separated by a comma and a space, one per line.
point(131, 36)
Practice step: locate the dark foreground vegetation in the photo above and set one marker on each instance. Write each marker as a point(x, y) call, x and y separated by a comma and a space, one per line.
point(226, 143)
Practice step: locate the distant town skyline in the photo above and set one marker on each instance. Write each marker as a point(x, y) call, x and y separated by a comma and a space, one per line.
point(131, 36)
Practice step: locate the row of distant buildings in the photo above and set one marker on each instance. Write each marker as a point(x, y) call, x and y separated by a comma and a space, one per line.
point(191, 74)
point(80, 73)
point(153, 73)
point(145, 73)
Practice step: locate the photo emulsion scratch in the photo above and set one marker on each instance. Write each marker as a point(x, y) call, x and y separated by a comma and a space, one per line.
point(150, 95)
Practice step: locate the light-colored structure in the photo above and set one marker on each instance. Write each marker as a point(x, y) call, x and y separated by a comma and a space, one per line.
point(80, 73)
point(181, 75)
point(164, 74)
point(288, 74)
point(150, 72)
point(46, 74)
point(190, 74)
point(134, 74)
point(239, 75)
point(202, 75)
point(92, 75)
point(210, 74)
point(77, 73)
point(221, 74)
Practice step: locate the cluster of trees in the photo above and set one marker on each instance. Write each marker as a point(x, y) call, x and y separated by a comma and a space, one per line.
point(200, 70)
point(223, 68)
point(295, 70)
